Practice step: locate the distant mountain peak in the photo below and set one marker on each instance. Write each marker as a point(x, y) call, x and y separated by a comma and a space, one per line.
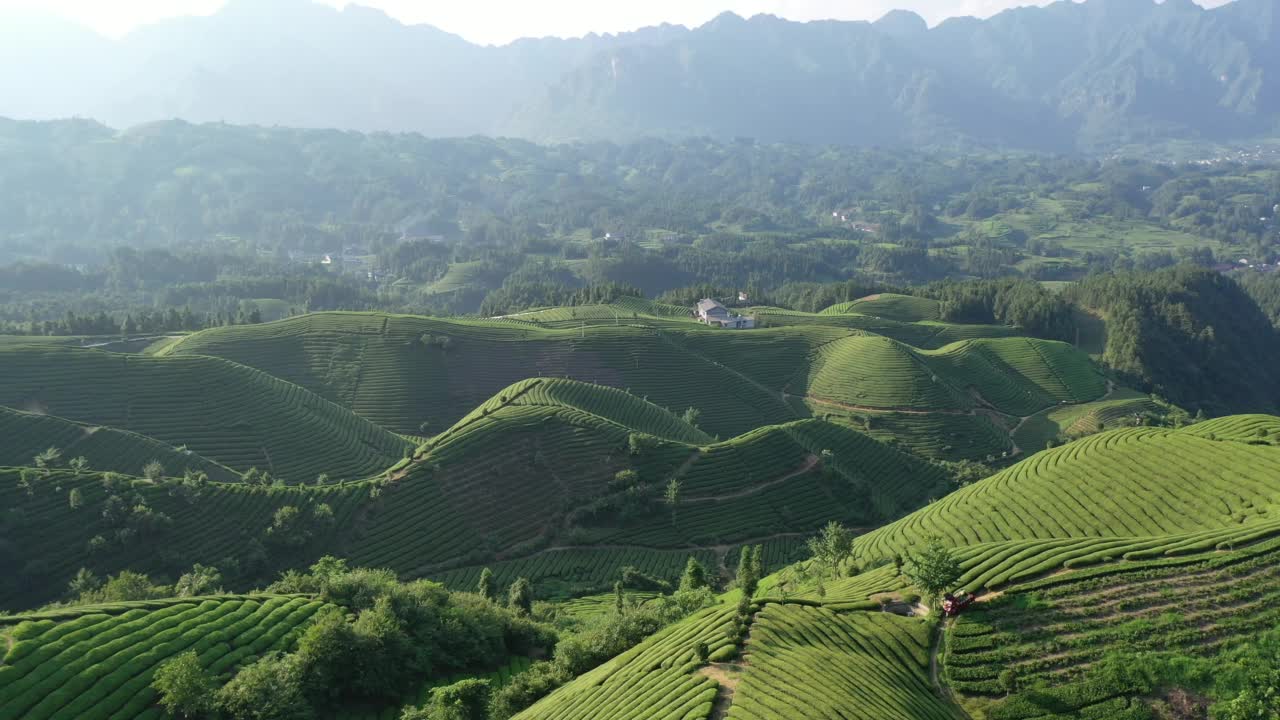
point(901, 23)
point(726, 19)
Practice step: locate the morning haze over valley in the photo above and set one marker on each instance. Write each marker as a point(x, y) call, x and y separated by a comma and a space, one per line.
point(672, 361)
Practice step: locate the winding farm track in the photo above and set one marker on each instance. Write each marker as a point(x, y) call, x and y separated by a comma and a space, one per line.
point(868, 408)
point(810, 463)
point(944, 691)
point(722, 548)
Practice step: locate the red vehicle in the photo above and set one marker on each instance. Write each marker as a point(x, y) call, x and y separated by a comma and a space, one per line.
point(952, 605)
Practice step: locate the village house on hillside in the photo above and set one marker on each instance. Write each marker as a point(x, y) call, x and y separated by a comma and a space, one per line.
point(713, 313)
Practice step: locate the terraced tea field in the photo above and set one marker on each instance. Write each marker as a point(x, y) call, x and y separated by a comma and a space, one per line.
point(24, 435)
point(1015, 376)
point(1067, 421)
point(380, 367)
point(1132, 482)
point(1199, 604)
point(903, 308)
point(217, 523)
point(656, 679)
point(814, 663)
point(527, 485)
point(228, 413)
point(418, 376)
point(100, 663)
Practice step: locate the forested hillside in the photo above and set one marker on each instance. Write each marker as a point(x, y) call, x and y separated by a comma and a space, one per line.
point(1190, 335)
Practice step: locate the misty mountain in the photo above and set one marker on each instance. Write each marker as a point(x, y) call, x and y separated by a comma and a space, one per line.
point(1067, 76)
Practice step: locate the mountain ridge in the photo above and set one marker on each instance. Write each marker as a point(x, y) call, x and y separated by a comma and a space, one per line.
point(1063, 77)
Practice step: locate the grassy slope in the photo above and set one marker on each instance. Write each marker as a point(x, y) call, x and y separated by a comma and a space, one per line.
point(23, 435)
point(226, 412)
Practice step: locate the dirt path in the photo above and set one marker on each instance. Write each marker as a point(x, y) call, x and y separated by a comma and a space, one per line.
point(449, 564)
point(809, 463)
point(727, 676)
point(935, 675)
point(1013, 443)
point(747, 379)
point(684, 466)
point(868, 408)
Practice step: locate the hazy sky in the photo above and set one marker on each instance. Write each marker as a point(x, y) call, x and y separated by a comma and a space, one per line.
point(500, 21)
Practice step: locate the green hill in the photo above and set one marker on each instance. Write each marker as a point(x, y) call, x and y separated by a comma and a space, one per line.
point(23, 435)
point(1016, 376)
point(1126, 483)
point(541, 482)
point(530, 483)
point(891, 306)
point(419, 375)
point(225, 412)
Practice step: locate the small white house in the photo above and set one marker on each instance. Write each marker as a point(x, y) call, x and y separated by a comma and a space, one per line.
point(713, 313)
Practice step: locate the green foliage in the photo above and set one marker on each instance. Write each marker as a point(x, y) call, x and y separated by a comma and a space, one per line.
point(933, 569)
point(269, 689)
point(1190, 335)
point(486, 587)
point(695, 575)
point(520, 596)
point(463, 700)
point(831, 547)
point(605, 636)
point(748, 577)
point(201, 580)
point(185, 689)
point(153, 471)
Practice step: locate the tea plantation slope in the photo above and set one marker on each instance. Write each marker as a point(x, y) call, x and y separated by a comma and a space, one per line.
point(226, 412)
point(924, 334)
point(532, 490)
point(23, 435)
point(1130, 482)
point(903, 308)
point(74, 522)
point(1052, 632)
point(419, 375)
point(1241, 428)
point(606, 403)
point(1016, 376)
point(100, 664)
point(798, 661)
point(542, 485)
point(655, 680)
point(811, 662)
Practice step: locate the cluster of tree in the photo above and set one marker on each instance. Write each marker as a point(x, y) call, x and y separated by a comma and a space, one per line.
point(1190, 335)
point(383, 636)
point(1264, 288)
point(601, 639)
point(1023, 303)
point(378, 641)
point(513, 297)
